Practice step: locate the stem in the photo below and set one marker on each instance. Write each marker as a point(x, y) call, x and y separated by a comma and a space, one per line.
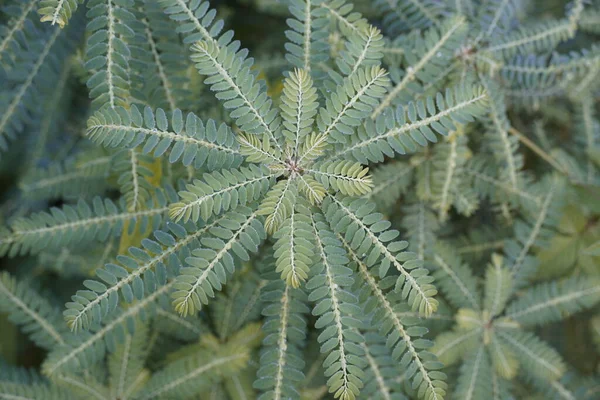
point(538, 150)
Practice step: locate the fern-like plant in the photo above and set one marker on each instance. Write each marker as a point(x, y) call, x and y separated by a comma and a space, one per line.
point(399, 202)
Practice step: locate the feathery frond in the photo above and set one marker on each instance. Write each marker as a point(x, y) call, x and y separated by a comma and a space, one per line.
point(347, 177)
point(281, 359)
point(239, 234)
point(79, 223)
point(418, 364)
point(537, 357)
point(369, 236)
point(108, 53)
point(307, 44)
point(428, 56)
point(498, 286)
point(29, 309)
point(554, 301)
point(400, 132)
point(400, 15)
point(192, 141)
point(140, 272)
point(544, 37)
point(278, 204)
point(455, 278)
point(17, 25)
point(298, 108)
point(221, 191)
point(294, 247)
point(474, 379)
point(338, 314)
point(352, 102)
point(231, 78)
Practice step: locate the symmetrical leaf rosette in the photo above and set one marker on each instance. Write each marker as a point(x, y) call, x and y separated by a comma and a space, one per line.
point(289, 150)
point(493, 323)
point(303, 200)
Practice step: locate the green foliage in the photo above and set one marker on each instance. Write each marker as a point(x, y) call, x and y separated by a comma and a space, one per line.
point(19, 390)
point(192, 141)
point(149, 268)
point(342, 199)
point(281, 361)
point(400, 131)
point(237, 234)
point(549, 302)
point(33, 312)
point(402, 14)
point(426, 57)
point(80, 223)
point(338, 315)
point(84, 175)
point(294, 247)
point(107, 51)
point(26, 73)
point(307, 44)
point(368, 234)
point(57, 12)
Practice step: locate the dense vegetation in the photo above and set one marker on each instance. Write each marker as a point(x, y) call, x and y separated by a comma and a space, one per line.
point(386, 199)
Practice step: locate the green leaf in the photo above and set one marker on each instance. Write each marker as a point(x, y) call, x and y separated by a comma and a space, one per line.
point(367, 233)
point(208, 144)
point(221, 191)
point(538, 358)
point(414, 358)
point(230, 76)
point(498, 286)
point(107, 52)
point(347, 177)
point(426, 57)
point(81, 223)
point(298, 107)
point(554, 301)
point(475, 377)
point(395, 132)
point(337, 314)
point(352, 102)
point(209, 265)
point(149, 268)
point(281, 361)
point(294, 248)
point(455, 278)
point(32, 312)
point(278, 204)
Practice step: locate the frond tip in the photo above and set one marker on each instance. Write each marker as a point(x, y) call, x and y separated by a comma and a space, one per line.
point(57, 11)
point(294, 248)
point(239, 234)
point(278, 204)
point(369, 234)
point(347, 177)
point(298, 107)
